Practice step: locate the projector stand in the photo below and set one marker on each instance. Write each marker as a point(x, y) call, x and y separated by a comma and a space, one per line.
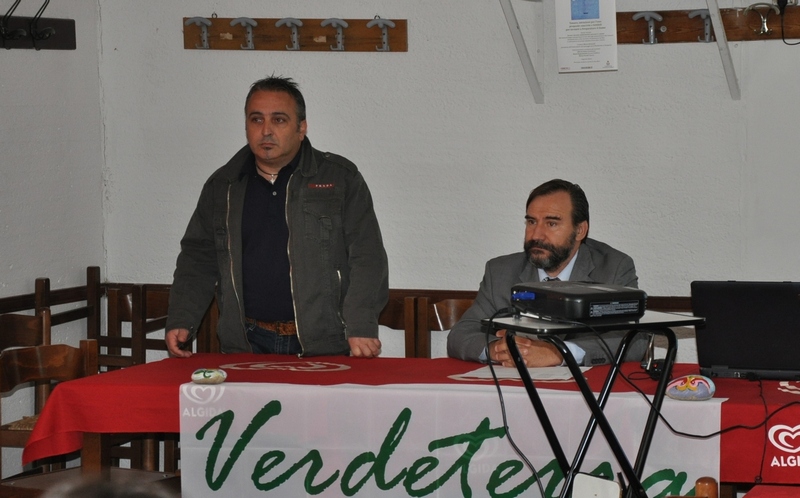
point(651, 321)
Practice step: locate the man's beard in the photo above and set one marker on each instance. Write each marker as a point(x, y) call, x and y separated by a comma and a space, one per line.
point(555, 256)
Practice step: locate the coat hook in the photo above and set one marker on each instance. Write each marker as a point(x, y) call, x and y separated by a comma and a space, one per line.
point(383, 24)
point(5, 34)
point(204, 24)
point(292, 23)
point(338, 24)
point(703, 13)
point(651, 18)
point(34, 26)
point(755, 7)
point(249, 24)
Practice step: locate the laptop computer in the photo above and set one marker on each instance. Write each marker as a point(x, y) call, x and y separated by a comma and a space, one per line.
point(751, 330)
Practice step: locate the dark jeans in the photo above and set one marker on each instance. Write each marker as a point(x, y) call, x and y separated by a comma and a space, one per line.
point(268, 342)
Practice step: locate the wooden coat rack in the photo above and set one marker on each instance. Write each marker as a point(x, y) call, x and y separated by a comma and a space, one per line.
point(52, 34)
point(290, 34)
point(758, 22)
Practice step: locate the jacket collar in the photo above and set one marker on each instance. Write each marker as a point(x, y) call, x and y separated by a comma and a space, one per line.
point(584, 266)
point(237, 168)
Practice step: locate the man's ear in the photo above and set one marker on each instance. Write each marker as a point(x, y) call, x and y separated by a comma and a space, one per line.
point(583, 229)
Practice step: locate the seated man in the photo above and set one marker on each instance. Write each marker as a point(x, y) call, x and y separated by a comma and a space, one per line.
point(556, 247)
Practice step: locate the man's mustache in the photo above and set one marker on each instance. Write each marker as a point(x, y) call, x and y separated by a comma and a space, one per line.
point(531, 244)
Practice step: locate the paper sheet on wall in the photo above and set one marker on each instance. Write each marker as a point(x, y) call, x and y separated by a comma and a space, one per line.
point(586, 32)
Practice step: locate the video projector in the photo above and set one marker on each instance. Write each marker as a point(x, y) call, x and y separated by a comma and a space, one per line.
point(578, 301)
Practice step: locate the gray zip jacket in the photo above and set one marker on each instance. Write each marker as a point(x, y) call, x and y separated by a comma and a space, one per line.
point(339, 270)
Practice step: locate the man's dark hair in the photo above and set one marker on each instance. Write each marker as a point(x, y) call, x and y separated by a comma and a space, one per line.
point(580, 205)
point(280, 84)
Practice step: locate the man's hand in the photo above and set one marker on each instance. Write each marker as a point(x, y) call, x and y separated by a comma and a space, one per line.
point(534, 353)
point(364, 347)
point(174, 338)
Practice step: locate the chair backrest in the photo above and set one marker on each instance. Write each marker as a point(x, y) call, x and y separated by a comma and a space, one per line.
point(207, 339)
point(398, 314)
point(88, 295)
point(704, 487)
point(18, 330)
point(47, 363)
point(144, 307)
point(669, 304)
point(437, 316)
point(41, 365)
point(25, 331)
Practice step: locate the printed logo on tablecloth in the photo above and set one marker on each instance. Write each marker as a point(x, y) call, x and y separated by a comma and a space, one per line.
point(291, 366)
point(785, 438)
point(200, 394)
point(789, 387)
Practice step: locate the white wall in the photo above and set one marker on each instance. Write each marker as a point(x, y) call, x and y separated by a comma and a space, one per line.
point(688, 181)
point(51, 166)
point(51, 211)
point(104, 149)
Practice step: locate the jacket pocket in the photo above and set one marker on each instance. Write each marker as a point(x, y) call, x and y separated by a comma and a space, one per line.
point(322, 222)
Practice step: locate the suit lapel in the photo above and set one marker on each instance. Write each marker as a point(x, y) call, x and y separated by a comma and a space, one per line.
point(583, 266)
point(528, 273)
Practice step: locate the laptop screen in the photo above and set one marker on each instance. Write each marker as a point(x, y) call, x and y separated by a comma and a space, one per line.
point(751, 329)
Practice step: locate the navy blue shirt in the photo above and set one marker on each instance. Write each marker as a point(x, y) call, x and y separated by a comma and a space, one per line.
point(265, 242)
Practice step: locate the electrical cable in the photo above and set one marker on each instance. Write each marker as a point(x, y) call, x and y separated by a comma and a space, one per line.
point(758, 478)
point(725, 430)
point(782, 9)
point(629, 381)
point(490, 328)
point(767, 416)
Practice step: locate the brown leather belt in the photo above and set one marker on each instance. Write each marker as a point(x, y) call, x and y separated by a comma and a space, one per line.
point(280, 328)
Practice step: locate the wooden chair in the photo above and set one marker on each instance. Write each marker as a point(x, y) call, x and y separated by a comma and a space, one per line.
point(207, 340)
point(398, 314)
point(41, 365)
point(86, 297)
point(669, 304)
point(705, 487)
point(18, 330)
point(83, 301)
point(143, 307)
point(436, 316)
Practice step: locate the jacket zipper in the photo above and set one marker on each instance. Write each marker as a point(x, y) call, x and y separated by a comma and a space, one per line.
point(339, 307)
point(291, 273)
point(230, 259)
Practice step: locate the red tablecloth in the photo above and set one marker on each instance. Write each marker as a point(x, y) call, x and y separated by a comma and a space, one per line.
point(144, 398)
point(773, 492)
point(764, 452)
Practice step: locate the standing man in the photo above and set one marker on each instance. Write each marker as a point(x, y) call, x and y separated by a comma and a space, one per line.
point(556, 247)
point(287, 237)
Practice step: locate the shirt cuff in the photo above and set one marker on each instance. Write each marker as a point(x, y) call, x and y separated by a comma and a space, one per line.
point(576, 351)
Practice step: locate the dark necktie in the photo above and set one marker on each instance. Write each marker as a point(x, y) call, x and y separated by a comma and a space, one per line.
point(551, 279)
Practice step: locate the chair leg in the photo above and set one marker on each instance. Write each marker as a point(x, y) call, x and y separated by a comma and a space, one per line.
point(150, 453)
point(171, 452)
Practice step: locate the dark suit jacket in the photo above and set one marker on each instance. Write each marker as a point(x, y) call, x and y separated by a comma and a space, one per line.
point(596, 262)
